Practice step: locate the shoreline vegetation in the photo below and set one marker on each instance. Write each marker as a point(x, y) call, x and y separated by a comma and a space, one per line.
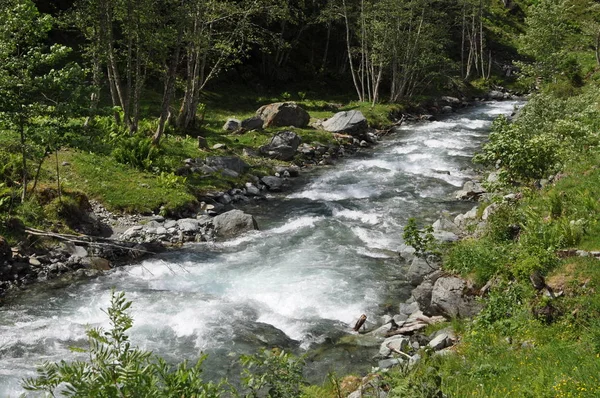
point(105, 110)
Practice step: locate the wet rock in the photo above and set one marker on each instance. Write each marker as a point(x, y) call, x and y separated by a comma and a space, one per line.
point(349, 122)
point(283, 114)
point(233, 223)
point(274, 184)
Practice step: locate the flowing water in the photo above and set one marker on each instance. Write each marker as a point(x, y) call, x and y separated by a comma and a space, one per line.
point(324, 256)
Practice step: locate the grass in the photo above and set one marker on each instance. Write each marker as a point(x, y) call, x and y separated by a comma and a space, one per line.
point(119, 187)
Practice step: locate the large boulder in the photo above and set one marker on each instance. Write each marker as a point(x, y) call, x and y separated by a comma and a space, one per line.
point(5, 251)
point(450, 299)
point(233, 223)
point(281, 114)
point(348, 122)
point(283, 146)
point(227, 163)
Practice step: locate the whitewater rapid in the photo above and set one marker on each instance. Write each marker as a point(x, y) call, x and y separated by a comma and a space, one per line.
point(325, 254)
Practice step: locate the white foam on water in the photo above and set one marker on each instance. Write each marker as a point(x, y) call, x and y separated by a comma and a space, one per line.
point(372, 253)
point(374, 239)
point(297, 224)
point(365, 218)
point(402, 150)
point(415, 157)
point(474, 124)
point(325, 194)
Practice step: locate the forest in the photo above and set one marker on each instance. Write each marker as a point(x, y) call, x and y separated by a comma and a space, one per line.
point(103, 101)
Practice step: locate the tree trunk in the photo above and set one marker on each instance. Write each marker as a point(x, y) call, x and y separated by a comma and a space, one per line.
point(23, 157)
point(168, 92)
point(352, 71)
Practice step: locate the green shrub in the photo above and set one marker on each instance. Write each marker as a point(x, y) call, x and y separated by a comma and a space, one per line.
point(137, 151)
point(273, 373)
point(502, 306)
point(479, 258)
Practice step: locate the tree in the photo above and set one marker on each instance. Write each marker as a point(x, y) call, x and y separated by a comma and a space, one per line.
point(545, 40)
point(37, 86)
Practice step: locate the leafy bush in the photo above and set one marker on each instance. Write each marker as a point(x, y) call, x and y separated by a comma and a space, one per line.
point(137, 151)
point(520, 153)
point(273, 372)
point(421, 240)
point(478, 257)
point(504, 302)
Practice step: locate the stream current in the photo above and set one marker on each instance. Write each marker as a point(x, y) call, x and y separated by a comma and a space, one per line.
point(325, 254)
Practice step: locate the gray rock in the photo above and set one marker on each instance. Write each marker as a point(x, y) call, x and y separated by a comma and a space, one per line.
point(224, 199)
point(418, 269)
point(283, 114)
point(219, 146)
point(231, 124)
point(394, 343)
point(161, 231)
point(439, 342)
point(471, 190)
point(227, 162)
point(229, 173)
point(233, 223)
point(188, 225)
point(422, 296)
point(80, 251)
point(448, 298)
point(488, 211)
point(170, 224)
point(251, 189)
point(447, 109)
point(252, 123)
point(34, 262)
point(364, 144)
point(451, 100)
point(445, 237)
point(389, 363)
point(444, 224)
point(408, 308)
point(463, 220)
point(495, 95)
point(273, 183)
point(283, 146)
point(349, 122)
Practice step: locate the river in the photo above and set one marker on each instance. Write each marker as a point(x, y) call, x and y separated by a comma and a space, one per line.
point(325, 254)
